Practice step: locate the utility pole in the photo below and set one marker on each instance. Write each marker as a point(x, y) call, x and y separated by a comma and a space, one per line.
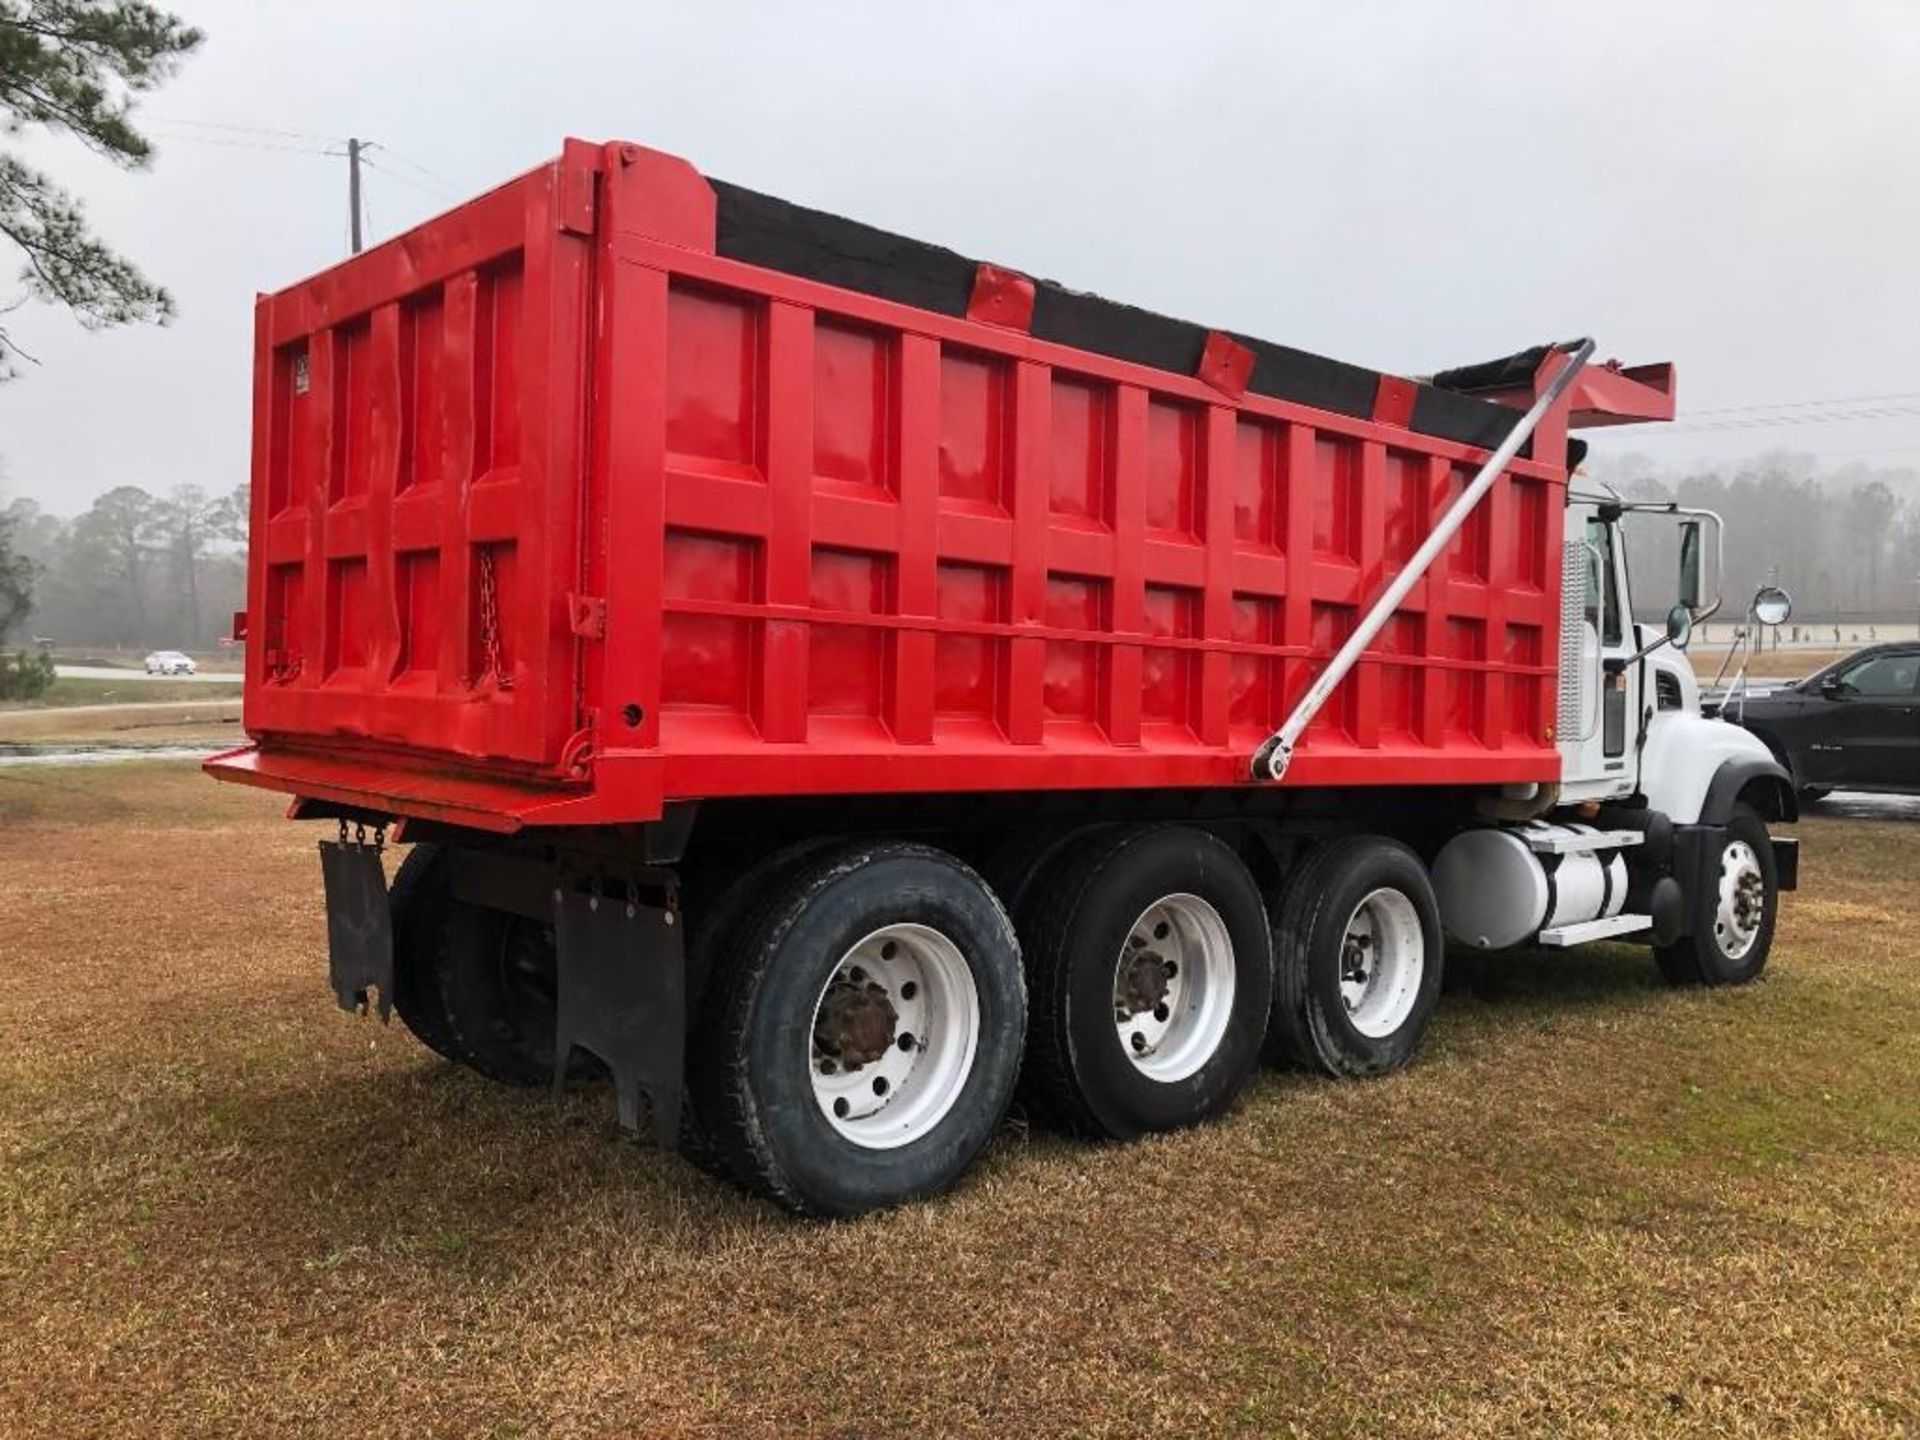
point(354, 148)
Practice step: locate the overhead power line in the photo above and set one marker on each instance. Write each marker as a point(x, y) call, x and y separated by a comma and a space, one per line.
point(224, 127)
point(1783, 405)
point(251, 145)
point(438, 192)
point(1778, 421)
point(432, 177)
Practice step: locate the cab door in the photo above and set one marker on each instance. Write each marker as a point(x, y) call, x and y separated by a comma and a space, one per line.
point(1600, 721)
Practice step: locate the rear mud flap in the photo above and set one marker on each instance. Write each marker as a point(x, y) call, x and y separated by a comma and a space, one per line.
point(359, 925)
point(623, 997)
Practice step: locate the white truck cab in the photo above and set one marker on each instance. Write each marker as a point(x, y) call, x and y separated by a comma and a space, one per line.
point(1629, 714)
point(1657, 829)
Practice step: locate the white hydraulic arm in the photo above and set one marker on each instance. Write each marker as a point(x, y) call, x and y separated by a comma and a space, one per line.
point(1271, 760)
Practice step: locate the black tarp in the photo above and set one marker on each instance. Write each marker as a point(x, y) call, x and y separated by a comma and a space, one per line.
point(779, 235)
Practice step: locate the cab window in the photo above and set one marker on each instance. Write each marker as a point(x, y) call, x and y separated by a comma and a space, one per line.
point(1603, 584)
point(1884, 677)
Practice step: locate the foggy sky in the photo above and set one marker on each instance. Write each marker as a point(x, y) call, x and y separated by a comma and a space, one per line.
point(1732, 186)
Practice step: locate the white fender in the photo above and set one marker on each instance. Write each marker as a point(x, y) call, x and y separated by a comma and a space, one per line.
point(1683, 753)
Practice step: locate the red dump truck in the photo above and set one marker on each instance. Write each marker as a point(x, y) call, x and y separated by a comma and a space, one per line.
point(827, 682)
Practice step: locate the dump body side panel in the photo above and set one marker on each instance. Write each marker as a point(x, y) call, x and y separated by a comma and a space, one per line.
point(825, 542)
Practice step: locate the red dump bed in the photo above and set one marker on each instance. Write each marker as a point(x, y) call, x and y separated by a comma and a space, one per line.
point(617, 486)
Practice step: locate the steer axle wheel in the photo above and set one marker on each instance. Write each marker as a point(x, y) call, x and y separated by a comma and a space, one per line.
point(1733, 913)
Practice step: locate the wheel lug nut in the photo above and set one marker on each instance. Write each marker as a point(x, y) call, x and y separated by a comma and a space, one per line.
point(1160, 1013)
point(1139, 1041)
point(827, 1067)
point(1172, 969)
point(879, 1084)
point(840, 1107)
point(907, 1041)
point(856, 975)
point(909, 990)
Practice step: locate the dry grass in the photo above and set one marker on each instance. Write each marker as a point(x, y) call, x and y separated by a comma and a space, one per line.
point(166, 722)
point(1789, 664)
point(1596, 1207)
point(137, 689)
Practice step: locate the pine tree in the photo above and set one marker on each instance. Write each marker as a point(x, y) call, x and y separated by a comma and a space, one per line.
point(75, 67)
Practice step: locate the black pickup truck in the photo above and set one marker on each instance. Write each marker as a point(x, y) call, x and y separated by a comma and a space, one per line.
point(1852, 726)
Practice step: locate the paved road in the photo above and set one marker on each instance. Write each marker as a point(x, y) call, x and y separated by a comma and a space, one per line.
point(110, 672)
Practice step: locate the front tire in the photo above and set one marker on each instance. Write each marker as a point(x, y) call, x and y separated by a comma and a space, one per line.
point(1733, 913)
point(860, 1038)
point(1357, 959)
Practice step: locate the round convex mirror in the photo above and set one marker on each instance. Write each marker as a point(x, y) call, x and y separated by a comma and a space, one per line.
point(1679, 626)
point(1772, 605)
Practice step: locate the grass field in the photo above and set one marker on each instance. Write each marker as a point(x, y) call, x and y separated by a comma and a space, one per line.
point(134, 690)
point(1595, 1206)
point(1767, 664)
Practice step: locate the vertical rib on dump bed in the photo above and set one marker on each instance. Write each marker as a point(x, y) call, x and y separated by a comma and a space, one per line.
point(753, 533)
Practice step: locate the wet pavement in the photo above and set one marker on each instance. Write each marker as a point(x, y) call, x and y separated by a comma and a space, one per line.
point(15, 755)
point(131, 676)
point(1858, 805)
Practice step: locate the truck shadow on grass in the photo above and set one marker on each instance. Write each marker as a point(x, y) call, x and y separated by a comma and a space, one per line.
point(416, 1160)
point(1551, 980)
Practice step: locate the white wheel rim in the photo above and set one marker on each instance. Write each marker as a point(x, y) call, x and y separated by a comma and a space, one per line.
point(1742, 900)
point(1383, 957)
point(900, 1016)
point(1173, 987)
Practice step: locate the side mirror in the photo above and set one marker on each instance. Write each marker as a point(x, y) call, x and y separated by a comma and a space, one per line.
point(1772, 605)
point(1680, 625)
point(1830, 686)
point(1689, 568)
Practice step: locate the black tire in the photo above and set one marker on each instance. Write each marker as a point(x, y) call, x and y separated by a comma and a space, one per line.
point(751, 1071)
point(716, 912)
point(1016, 867)
point(1311, 1026)
point(1079, 1075)
point(1701, 958)
point(418, 899)
point(498, 987)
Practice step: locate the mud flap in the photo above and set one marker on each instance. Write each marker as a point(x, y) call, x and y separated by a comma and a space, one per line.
point(359, 925)
point(623, 997)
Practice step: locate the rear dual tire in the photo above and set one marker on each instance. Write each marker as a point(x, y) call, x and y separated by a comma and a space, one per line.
point(473, 984)
point(1357, 959)
point(1151, 973)
point(860, 1035)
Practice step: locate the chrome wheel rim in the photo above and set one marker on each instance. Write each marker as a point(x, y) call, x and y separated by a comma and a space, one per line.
point(1741, 903)
point(1383, 958)
point(894, 1034)
point(1173, 986)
